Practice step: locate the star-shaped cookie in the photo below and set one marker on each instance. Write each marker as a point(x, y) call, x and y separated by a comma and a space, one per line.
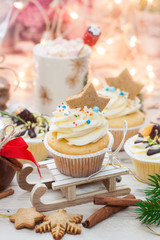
point(125, 83)
point(88, 97)
point(26, 217)
point(59, 223)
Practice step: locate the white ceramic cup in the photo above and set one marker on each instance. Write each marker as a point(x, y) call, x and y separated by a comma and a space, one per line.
point(58, 78)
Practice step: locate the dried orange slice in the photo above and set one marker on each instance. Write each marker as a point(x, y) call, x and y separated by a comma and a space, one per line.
point(147, 130)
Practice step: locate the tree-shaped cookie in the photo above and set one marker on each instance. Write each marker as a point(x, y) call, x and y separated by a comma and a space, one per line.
point(126, 83)
point(88, 97)
point(59, 223)
point(26, 217)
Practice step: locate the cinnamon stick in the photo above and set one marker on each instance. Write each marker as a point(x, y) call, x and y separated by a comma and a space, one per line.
point(104, 213)
point(112, 201)
point(6, 193)
point(12, 162)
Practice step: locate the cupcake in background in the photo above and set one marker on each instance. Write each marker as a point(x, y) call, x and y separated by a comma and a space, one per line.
point(144, 149)
point(32, 127)
point(79, 136)
point(123, 105)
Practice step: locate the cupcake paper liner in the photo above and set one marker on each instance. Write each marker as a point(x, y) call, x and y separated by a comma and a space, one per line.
point(143, 166)
point(79, 165)
point(118, 134)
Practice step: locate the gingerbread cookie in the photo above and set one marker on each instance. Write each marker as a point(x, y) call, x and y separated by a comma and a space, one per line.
point(126, 83)
point(60, 223)
point(26, 218)
point(88, 97)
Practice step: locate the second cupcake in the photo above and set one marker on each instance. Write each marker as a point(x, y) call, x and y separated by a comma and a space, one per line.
point(123, 105)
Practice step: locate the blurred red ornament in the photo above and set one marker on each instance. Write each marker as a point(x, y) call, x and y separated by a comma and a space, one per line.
point(91, 35)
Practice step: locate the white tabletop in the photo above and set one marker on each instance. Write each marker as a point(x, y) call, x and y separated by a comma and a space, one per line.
point(122, 225)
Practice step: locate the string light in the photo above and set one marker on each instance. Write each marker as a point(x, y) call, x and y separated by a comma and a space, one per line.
point(118, 1)
point(23, 85)
point(43, 41)
point(74, 15)
point(149, 68)
point(132, 44)
point(95, 82)
point(45, 37)
point(150, 88)
point(109, 41)
point(151, 74)
point(133, 41)
point(19, 5)
point(101, 50)
point(132, 72)
point(21, 74)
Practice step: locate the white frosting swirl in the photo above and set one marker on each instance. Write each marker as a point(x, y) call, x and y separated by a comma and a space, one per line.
point(79, 127)
point(119, 105)
point(139, 150)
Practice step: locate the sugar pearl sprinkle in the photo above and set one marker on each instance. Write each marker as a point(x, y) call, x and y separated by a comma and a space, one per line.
point(112, 89)
point(80, 117)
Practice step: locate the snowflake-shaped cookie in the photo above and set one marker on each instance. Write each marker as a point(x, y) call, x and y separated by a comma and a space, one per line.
point(60, 223)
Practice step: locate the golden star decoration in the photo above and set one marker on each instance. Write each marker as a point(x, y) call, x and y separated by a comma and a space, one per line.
point(26, 217)
point(59, 223)
point(125, 83)
point(88, 97)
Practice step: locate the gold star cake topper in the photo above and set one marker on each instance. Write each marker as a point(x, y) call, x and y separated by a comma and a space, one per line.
point(88, 97)
point(125, 83)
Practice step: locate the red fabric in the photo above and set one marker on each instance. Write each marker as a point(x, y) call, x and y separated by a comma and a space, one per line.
point(17, 148)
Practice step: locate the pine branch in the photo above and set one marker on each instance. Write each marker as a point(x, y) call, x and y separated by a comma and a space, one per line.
point(12, 116)
point(154, 186)
point(149, 211)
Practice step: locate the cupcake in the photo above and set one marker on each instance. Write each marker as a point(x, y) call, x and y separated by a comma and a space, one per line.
point(79, 136)
point(123, 105)
point(144, 149)
point(32, 127)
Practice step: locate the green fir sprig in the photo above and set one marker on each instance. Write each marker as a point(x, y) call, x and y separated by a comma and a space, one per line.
point(149, 210)
point(153, 190)
point(12, 116)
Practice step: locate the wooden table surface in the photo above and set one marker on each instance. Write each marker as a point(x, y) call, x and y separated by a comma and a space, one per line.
point(122, 225)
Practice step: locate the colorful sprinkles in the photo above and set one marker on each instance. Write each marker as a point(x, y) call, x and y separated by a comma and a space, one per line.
point(86, 115)
point(112, 89)
point(88, 121)
point(96, 109)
